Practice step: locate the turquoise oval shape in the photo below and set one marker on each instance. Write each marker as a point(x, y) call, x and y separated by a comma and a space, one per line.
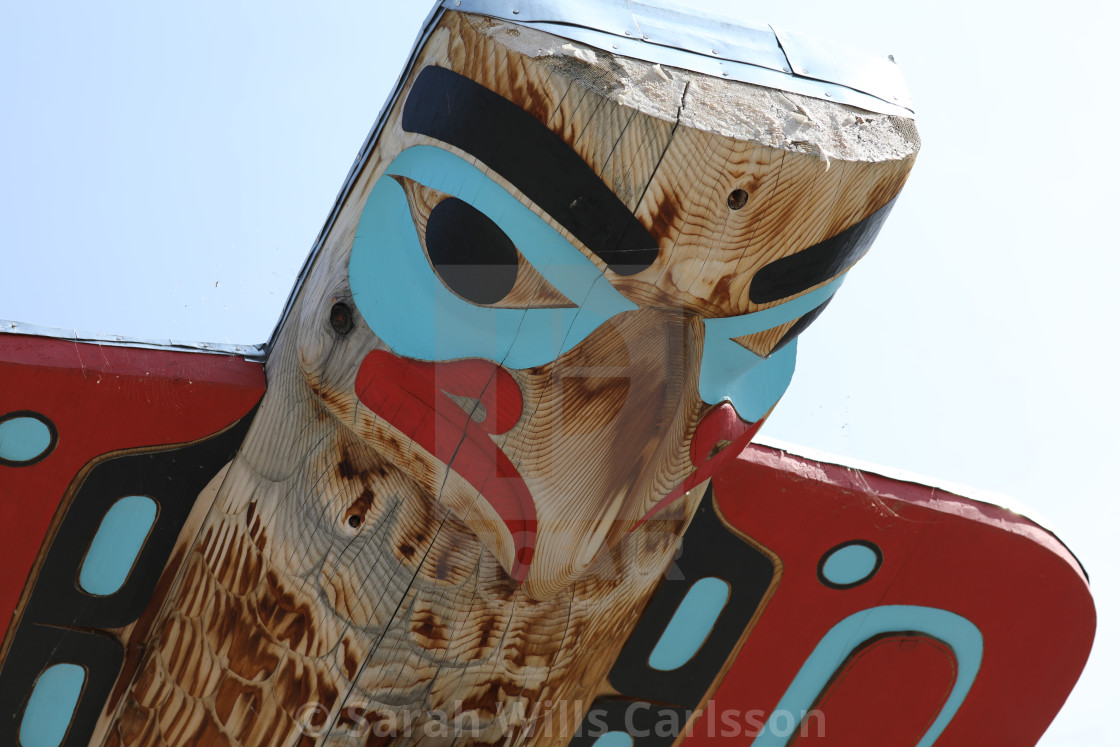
point(614, 739)
point(850, 564)
point(691, 624)
point(117, 544)
point(24, 439)
point(51, 706)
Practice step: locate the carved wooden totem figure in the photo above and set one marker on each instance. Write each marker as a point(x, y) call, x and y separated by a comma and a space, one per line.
point(560, 291)
point(560, 283)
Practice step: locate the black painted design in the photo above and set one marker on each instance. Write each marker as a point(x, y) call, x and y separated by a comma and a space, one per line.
point(450, 107)
point(796, 273)
point(39, 647)
point(46, 452)
point(648, 725)
point(470, 253)
point(800, 326)
point(62, 623)
point(709, 549)
point(864, 543)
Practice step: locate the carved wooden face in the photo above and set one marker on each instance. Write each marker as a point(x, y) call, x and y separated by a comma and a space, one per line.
point(532, 354)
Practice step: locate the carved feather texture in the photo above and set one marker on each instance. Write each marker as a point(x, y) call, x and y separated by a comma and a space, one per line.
point(287, 623)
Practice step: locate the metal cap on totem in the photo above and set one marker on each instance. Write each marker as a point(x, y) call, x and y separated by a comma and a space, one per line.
point(669, 34)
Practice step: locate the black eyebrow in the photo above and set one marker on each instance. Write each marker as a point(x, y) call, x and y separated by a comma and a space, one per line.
point(453, 108)
point(791, 275)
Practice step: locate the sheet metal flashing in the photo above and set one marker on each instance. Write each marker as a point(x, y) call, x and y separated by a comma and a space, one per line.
point(248, 352)
point(711, 45)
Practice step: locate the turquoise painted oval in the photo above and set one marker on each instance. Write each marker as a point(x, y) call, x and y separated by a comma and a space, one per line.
point(51, 706)
point(117, 544)
point(691, 624)
point(850, 565)
point(614, 739)
point(23, 439)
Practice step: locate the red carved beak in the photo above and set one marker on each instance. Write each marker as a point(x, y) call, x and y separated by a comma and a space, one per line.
point(412, 396)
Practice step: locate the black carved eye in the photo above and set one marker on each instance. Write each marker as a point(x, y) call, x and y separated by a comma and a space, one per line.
point(470, 253)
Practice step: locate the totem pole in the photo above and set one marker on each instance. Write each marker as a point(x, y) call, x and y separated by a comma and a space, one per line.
point(558, 295)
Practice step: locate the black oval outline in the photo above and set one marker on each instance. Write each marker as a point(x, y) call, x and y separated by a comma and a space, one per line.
point(132, 569)
point(829, 553)
point(42, 419)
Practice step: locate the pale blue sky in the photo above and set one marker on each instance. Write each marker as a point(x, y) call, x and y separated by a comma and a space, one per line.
point(164, 170)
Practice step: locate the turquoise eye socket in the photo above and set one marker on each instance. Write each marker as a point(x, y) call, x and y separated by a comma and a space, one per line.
point(753, 384)
point(409, 307)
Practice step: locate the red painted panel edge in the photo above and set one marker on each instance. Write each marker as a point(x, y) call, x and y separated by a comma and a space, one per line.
point(101, 399)
point(1015, 581)
point(867, 481)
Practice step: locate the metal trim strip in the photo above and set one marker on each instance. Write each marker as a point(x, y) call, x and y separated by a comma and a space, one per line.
point(255, 352)
point(674, 35)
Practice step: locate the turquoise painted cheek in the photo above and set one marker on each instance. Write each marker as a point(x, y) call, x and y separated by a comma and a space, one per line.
point(23, 439)
point(117, 545)
point(731, 373)
point(614, 739)
point(51, 706)
point(691, 624)
point(753, 385)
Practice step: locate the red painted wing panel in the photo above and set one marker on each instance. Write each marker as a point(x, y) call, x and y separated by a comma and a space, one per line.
point(101, 399)
point(1019, 586)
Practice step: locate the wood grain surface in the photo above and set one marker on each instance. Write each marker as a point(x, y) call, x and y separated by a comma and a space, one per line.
point(347, 587)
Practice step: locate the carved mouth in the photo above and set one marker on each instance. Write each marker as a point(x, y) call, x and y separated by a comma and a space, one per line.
point(423, 400)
